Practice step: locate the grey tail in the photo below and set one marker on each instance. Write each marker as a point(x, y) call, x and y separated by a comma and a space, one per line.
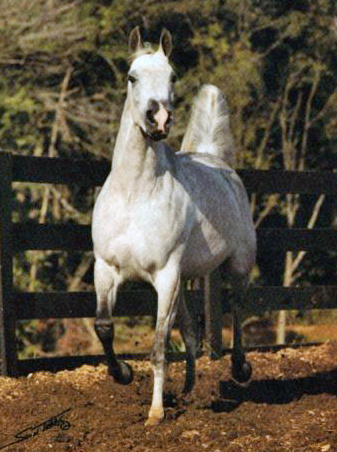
point(208, 130)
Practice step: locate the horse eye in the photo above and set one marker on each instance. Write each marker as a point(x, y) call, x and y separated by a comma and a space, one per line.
point(131, 78)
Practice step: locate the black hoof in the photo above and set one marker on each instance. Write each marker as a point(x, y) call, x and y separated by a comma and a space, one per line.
point(124, 374)
point(242, 372)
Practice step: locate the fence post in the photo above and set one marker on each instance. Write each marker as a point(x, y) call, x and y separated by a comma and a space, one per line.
point(7, 313)
point(213, 313)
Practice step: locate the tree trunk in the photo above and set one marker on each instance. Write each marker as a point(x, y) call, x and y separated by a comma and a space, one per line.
point(282, 316)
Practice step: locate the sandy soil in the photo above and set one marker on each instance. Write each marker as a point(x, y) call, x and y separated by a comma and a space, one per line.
point(290, 405)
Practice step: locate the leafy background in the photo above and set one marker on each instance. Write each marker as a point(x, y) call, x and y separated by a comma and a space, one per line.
point(63, 66)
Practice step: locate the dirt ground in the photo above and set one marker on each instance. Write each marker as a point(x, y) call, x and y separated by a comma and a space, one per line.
point(290, 405)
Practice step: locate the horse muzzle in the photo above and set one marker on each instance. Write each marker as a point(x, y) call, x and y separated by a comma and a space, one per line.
point(158, 120)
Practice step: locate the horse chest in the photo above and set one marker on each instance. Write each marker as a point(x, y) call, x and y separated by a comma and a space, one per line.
point(137, 237)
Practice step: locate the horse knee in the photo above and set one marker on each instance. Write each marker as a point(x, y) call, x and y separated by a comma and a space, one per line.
point(157, 356)
point(104, 329)
point(191, 343)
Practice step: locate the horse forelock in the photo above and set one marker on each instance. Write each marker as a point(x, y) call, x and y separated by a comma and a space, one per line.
point(145, 50)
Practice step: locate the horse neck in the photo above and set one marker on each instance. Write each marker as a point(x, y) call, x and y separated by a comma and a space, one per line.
point(135, 157)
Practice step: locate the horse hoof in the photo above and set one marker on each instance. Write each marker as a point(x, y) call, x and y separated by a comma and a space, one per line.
point(242, 373)
point(125, 374)
point(151, 422)
point(155, 418)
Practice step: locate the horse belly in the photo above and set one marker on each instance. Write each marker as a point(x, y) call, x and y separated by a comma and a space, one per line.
point(202, 255)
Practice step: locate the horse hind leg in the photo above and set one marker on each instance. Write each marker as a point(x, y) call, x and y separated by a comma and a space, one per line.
point(241, 369)
point(106, 289)
point(188, 332)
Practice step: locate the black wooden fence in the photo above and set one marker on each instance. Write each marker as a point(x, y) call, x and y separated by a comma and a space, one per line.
point(18, 237)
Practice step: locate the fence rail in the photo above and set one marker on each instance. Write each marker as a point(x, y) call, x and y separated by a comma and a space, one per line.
point(91, 173)
point(42, 305)
point(18, 237)
point(75, 237)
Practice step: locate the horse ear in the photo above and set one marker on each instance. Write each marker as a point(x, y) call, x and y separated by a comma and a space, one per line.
point(135, 40)
point(166, 42)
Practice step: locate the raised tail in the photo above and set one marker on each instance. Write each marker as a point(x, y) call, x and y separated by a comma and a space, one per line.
point(208, 130)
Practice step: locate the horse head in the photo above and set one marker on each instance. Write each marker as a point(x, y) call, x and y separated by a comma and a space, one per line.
point(150, 85)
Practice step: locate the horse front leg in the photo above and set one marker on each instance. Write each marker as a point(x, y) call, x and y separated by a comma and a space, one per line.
point(106, 289)
point(167, 284)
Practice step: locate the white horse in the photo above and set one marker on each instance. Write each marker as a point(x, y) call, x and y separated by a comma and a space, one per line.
point(164, 217)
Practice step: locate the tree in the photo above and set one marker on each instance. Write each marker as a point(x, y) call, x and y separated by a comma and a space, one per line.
point(63, 66)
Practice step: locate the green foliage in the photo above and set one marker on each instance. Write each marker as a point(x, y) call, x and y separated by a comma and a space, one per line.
point(63, 66)
point(17, 114)
point(249, 49)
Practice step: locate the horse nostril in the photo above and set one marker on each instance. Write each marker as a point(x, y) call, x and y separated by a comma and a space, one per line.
point(150, 116)
point(153, 108)
point(158, 117)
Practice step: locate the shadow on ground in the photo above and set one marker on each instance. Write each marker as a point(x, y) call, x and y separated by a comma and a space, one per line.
point(272, 391)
